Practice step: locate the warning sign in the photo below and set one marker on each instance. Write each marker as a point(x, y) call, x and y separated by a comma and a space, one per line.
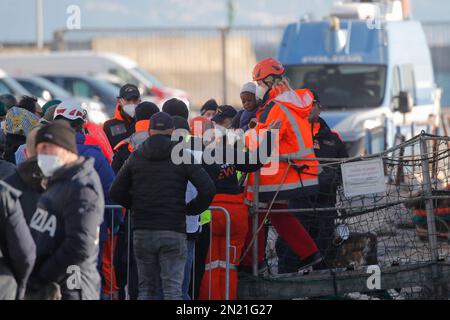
point(363, 177)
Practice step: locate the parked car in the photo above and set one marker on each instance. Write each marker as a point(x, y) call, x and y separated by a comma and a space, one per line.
point(47, 90)
point(9, 85)
point(90, 63)
point(87, 87)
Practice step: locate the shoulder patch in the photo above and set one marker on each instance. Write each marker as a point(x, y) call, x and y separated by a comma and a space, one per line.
point(118, 129)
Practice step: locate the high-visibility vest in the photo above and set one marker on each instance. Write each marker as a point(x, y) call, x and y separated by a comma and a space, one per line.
point(294, 141)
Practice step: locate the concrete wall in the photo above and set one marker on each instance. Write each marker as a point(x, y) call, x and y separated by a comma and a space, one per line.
point(191, 63)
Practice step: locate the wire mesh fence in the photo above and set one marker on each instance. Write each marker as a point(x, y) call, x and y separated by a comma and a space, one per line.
point(402, 230)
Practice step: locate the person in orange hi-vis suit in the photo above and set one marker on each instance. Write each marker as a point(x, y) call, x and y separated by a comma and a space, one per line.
point(293, 182)
point(229, 196)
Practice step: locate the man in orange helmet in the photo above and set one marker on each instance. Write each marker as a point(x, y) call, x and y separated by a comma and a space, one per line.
point(290, 182)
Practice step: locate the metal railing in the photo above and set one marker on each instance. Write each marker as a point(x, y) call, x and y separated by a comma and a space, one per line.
point(227, 248)
point(113, 208)
point(427, 172)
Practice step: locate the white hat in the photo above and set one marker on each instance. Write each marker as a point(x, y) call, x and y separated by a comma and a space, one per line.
point(70, 109)
point(249, 87)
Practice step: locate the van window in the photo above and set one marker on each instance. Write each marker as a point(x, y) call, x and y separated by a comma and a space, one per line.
point(407, 80)
point(342, 85)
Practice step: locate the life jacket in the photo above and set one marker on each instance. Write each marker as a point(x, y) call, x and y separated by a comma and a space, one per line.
point(294, 141)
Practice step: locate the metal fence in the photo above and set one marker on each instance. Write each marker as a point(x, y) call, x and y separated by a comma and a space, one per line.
point(404, 231)
point(110, 280)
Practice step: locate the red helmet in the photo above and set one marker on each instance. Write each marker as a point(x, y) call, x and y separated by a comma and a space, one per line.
point(267, 67)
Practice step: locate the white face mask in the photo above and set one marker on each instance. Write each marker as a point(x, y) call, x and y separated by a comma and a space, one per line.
point(261, 91)
point(129, 109)
point(49, 164)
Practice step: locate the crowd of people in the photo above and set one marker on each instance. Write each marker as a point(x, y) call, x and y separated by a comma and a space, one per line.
point(64, 178)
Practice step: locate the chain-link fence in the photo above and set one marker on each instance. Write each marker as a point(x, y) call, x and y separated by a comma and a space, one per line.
point(404, 231)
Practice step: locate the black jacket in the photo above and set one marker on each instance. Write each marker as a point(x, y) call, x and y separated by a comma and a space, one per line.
point(66, 226)
point(118, 128)
point(27, 178)
point(154, 188)
point(328, 144)
point(6, 169)
point(12, 143)
point(225, 174)
point(16, 244)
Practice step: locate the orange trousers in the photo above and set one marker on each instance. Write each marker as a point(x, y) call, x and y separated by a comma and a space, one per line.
point(109, 273)
point(214, 281)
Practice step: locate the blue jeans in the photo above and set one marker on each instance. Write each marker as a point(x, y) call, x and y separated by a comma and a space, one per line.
point(188, 269)
point(161, 259)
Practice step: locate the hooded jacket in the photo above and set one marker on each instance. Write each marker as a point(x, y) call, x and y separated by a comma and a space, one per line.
point(118, 128)
point(65, 229)
point(289, 177)
point(154, 188)
point(101, 164)
point(106, 175)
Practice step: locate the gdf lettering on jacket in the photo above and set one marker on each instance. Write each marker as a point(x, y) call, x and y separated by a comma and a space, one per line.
point(43, 222)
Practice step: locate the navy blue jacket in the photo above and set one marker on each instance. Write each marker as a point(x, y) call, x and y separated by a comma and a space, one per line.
point(66, 224)
point(107, 176)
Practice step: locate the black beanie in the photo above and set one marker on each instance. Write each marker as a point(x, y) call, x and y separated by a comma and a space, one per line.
point(59, 133)
point(180, 123)
point(145, 110)
point(176, 107)
point(211, 104)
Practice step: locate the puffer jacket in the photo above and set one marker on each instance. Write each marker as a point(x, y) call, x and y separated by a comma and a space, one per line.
point(65, 229)
point(106, 174)
point(154, 188)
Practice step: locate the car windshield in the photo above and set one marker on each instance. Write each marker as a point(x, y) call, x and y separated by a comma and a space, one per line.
point(343, 86)
point(13, 87)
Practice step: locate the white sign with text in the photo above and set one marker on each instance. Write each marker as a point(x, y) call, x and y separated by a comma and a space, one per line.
point(363, 177)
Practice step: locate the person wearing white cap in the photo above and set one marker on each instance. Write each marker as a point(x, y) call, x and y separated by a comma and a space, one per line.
point(250, 105)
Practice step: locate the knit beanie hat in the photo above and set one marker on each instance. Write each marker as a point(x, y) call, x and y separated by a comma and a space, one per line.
point(176, 107)
point(60, 133)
